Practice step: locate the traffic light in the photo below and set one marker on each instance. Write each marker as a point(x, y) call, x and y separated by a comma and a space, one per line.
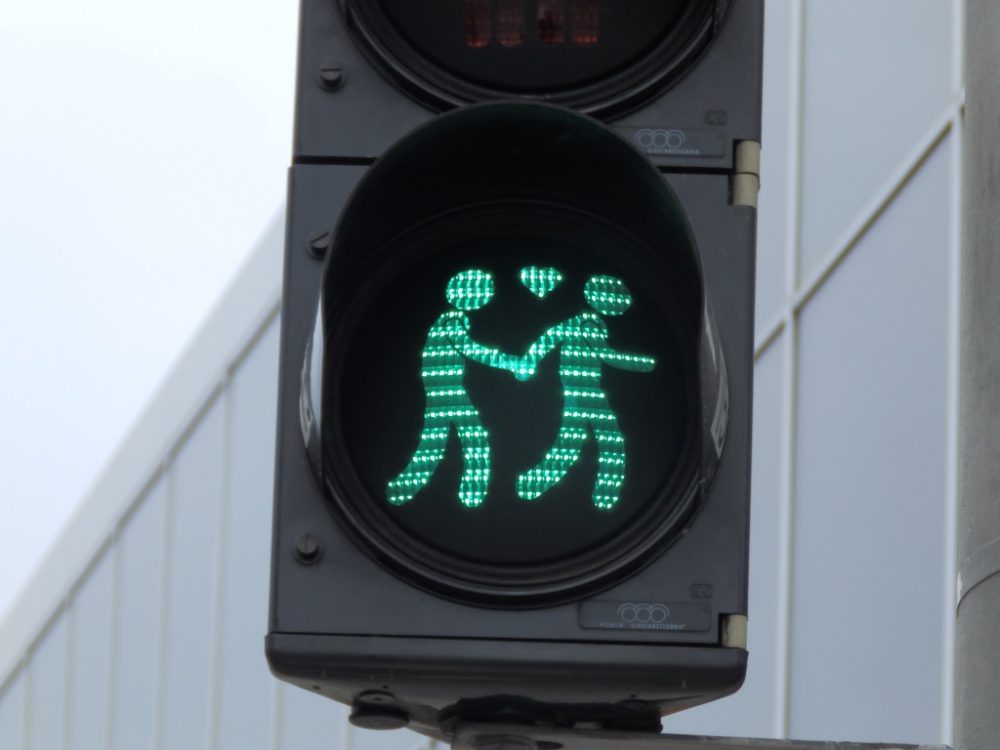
point(515, 383)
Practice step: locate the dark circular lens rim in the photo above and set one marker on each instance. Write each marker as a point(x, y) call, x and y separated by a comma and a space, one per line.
point(618, 93)
point(647, 534)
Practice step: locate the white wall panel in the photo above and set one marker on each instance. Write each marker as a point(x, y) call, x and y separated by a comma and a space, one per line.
point(12, 714)
point(139, 564)
point(867, 643)
point(192, 574)
point(399, 739)
point(877, 76)
point(751, 711)
point(307, 720)
point(91, 614)
point(47, 689)
point(246, 688)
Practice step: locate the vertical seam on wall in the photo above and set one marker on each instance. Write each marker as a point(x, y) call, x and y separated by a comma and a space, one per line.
point(70, 614)
point(954, 345)
point(159, 693)
point(277, 711)
point(113, 634)
point(346, 735)
point(218, 614)
point(950, 521)
point(958, 48)
point(26, 717)
point(793, 233)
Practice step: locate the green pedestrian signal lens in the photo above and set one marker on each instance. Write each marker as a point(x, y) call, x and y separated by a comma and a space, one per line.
point(511, 400)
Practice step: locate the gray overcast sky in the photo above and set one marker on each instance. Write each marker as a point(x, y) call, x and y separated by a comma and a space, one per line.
point(143, 149)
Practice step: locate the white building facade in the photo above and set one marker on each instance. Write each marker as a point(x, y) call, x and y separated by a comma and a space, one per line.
point(144, 628)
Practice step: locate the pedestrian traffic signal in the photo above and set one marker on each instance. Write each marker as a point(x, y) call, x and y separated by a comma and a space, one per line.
point(513, 457)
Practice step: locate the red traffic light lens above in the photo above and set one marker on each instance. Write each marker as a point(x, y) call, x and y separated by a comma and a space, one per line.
point(545, 46)
point(573, 52)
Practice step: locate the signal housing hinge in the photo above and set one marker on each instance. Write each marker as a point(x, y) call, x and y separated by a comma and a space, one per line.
point(734, 631)
point(746, 174)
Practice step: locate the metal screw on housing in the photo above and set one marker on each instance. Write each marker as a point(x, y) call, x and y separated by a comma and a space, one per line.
point(377, 709)
point(319, 242)
point(331, 76)
point(308, 549)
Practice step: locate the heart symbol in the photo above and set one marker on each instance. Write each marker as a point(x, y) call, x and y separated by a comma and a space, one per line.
point(540, 281)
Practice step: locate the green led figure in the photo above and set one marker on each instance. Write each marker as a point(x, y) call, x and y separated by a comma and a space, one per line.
point(583, 344)
point(443, 373)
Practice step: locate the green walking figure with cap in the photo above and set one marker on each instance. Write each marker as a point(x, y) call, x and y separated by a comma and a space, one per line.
point(443, 373)
point(583, 345)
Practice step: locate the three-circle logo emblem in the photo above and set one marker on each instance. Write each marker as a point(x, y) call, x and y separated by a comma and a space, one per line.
point(643, 613)
point(660, 139)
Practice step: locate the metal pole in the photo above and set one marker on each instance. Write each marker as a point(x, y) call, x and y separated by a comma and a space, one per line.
point(977, 660)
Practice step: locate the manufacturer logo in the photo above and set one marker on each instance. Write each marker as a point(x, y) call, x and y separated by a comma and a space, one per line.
point(679, 616)
point(663, 141)
point(643, 613)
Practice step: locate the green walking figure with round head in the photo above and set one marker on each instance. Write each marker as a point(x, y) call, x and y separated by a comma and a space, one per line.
point(583, 344)
point(443, 373)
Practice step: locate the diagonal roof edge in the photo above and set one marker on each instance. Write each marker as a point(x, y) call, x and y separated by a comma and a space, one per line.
point(248, 304)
